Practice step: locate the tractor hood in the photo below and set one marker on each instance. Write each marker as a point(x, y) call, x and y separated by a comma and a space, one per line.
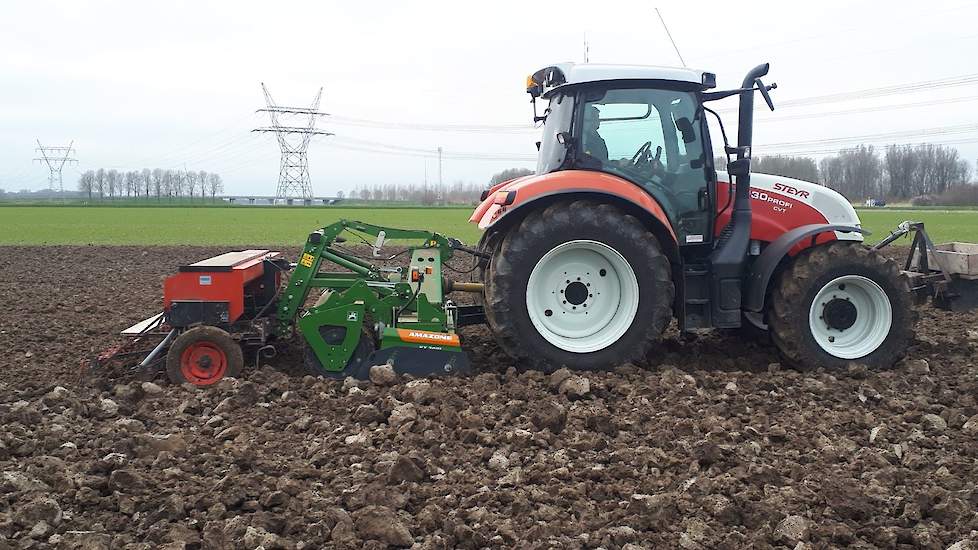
point(780, 204)
point(831, 204)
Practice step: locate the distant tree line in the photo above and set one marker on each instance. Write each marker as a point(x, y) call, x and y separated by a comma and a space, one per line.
point(157, 183)
point(458, 192)
point(896, 172)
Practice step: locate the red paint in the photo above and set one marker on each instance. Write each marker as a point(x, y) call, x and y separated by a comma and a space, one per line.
point(773, 214)
point(484, 205)
point(225, 286)
point(203, 363)
point(530, 187)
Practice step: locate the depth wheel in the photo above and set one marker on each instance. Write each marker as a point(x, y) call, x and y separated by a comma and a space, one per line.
point(203, 355)
point(579, 285)
point(841, 303)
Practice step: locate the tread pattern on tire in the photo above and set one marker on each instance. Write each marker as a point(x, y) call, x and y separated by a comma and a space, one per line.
point(788, 311)
point(505, 297)
point(232, 351)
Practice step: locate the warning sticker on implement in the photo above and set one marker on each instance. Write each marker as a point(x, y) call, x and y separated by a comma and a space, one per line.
point(306, 260)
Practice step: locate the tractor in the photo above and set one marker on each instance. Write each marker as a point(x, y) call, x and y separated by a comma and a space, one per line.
point(626, 224)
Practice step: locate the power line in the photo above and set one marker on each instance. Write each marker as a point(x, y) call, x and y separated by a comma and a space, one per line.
point(383, 148)
point(920, 132)
point(514, 128)
point(518, 128)
point(861, 110)
point(838, 149)
point(870, 93)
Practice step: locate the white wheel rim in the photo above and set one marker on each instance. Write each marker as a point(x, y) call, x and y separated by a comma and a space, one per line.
point(873, 317)
point(582, 296)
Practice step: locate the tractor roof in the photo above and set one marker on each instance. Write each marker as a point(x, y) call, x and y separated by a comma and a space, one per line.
point(548, 79)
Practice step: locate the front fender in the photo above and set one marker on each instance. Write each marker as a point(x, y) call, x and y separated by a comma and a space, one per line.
point(763, 268)
point(530, 189)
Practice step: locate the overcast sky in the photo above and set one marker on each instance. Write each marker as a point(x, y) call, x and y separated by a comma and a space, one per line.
point(174, 84)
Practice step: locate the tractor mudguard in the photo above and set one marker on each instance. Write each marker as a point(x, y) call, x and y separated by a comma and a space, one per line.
point(762, 269)
point(503, 200)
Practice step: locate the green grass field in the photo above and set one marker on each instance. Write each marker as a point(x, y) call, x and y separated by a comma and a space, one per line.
point(239, 226)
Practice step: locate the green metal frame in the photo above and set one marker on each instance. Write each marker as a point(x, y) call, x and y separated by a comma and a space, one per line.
point(364, 292)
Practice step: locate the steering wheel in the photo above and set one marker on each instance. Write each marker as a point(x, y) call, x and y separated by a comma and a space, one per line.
point(641, 153)
point(643, 157)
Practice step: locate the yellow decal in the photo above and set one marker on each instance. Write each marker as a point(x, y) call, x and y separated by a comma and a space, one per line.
point(306, 260)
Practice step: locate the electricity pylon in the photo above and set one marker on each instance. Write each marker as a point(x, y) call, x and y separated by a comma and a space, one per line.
point(293, 140)
point(55, 158)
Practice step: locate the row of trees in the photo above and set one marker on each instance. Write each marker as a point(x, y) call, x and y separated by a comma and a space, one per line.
point(158, 183)
point(896, 172)
point(456, 193)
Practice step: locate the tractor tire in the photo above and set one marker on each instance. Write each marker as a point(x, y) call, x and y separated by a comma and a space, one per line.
point(841, 303)
point(202, 356)
point(555, 265)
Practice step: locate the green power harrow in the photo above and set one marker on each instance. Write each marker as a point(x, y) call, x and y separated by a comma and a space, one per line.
point(372, 314)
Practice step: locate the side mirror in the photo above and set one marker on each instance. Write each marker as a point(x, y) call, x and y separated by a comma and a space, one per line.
point(763, 89)
point(739, 167)
point(686, 129)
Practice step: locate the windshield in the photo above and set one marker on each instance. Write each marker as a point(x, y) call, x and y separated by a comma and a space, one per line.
point(558, 120)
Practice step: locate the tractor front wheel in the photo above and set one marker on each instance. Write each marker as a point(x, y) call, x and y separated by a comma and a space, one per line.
point(202, 356)
point(579, 284)
point(841, 303)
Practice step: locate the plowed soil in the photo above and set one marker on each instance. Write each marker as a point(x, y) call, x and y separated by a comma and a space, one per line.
point(709, 443)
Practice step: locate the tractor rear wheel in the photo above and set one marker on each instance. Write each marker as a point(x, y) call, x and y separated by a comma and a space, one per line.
point(841, 303)
point(581, 285)
point(202, 356)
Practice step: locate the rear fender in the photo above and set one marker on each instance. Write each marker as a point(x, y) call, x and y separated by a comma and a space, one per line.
point(534, 192)
point(763, 268)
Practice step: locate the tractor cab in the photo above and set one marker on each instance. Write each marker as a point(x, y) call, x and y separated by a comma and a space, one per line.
point(645, 125)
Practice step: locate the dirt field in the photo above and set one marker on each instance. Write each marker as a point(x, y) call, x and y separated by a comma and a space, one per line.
point(711, 444)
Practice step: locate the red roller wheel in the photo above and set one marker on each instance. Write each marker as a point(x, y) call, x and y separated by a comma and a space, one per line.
point(202, 356)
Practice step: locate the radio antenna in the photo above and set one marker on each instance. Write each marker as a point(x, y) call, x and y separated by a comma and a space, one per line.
point(669, 34)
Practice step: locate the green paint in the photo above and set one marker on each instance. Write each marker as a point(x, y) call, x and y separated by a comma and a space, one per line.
point(333, 329)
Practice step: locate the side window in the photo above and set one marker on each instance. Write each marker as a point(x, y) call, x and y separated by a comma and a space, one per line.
point(626, 127)
point(651, 138)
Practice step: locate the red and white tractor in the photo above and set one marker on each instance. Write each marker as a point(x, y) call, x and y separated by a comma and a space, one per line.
point(627, 224)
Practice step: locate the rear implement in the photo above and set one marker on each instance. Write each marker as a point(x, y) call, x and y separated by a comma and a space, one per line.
point(365, 312)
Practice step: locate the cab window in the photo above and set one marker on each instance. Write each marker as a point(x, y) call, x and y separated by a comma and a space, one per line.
point(652, 138)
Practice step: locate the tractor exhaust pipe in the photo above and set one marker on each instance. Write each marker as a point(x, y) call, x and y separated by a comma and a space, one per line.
point(730, 257)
